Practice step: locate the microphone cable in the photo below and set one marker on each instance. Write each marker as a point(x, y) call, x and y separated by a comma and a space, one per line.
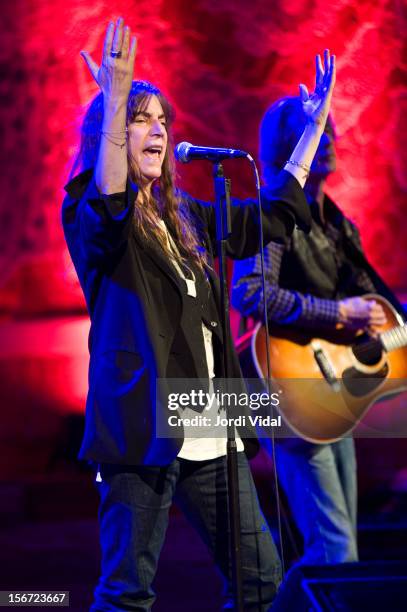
point(267, 347)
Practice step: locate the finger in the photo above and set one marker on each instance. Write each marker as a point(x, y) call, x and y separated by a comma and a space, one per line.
point(376, 323)
point(371, 307)
point(133, 49)
point(377, 307)
point(379, 315)
point(304, 95)
point(373, 331)
point(381, 322)
point(319, 73)
point(126, 41)
point(118, 36)
point(91, 64)
point(326, 61)
point(332, 72)
point(107, 46)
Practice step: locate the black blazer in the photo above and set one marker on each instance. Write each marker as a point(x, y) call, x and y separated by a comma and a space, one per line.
point(135, 301)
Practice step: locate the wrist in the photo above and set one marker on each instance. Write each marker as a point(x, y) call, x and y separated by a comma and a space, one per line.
point(115, 122)
point(313, 129)
point(113, 107)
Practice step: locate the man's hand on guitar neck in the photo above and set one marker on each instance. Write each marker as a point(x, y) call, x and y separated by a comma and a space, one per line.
point(358, 313)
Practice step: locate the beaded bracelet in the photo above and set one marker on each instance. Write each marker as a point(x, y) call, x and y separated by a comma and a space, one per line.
point(293, 162)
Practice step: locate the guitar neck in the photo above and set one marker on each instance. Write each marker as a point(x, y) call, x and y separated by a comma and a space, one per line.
point(394, 338)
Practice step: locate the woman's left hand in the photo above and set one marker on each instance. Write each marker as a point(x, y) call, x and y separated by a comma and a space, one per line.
point(316, 105)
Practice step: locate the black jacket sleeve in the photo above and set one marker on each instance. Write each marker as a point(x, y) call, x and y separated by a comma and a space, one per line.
point(283, 207)
point(99, 224)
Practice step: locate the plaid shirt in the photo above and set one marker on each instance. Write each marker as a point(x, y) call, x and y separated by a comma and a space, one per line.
point(285, 306)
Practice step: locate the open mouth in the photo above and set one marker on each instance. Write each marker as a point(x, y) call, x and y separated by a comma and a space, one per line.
point(154, 151)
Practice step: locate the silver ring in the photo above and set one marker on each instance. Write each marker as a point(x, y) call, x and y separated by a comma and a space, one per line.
point(115, 54)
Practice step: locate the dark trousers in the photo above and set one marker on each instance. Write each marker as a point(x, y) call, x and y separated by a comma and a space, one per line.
point(134, 508)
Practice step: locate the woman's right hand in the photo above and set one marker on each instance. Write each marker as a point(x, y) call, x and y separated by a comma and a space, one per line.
point(115, 74)
point(359, 313)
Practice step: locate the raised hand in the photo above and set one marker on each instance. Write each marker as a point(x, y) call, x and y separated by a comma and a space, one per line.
point(115, 74)
point(316, 105)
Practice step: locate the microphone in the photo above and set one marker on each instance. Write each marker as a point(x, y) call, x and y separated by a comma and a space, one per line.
point(186, 152)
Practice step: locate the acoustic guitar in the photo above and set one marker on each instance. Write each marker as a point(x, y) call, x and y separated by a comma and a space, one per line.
point(327, 382)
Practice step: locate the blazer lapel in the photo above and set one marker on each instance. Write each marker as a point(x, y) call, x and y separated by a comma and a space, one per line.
point(157, 255)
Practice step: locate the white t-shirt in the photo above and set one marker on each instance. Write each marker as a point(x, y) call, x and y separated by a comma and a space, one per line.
point(202, 448)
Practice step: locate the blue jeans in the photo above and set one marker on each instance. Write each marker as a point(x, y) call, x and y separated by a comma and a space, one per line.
point(133, 515)
point(320, 484)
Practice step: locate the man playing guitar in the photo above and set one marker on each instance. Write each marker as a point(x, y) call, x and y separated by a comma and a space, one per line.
point(314, 282)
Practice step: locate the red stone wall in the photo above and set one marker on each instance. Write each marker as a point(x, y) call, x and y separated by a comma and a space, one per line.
point(222, 62)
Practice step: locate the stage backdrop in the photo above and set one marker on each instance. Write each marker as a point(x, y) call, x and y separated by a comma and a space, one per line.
point(221, 62)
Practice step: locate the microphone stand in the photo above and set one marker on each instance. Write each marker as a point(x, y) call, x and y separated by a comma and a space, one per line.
point(223, 230)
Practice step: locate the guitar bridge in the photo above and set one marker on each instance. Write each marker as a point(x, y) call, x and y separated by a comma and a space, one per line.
point(325, 366)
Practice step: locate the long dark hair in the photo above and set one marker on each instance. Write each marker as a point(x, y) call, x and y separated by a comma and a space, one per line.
point(165, 201)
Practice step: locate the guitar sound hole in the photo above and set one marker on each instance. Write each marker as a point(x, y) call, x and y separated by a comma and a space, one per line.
point(368, 351)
